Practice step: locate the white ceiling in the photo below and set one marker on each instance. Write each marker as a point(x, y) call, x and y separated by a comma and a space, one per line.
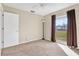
point(40, 8)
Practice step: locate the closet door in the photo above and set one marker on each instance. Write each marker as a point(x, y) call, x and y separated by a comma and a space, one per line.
point(0, 28)
point(11, 29)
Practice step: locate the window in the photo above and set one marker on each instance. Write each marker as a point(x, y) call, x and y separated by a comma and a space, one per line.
point(61, 29)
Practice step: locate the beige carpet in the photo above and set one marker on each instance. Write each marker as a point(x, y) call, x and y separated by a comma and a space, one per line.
point(36, 48)
point(75, 50)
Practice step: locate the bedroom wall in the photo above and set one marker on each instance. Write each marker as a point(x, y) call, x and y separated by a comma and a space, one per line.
point(61, 13)
point(30, 26)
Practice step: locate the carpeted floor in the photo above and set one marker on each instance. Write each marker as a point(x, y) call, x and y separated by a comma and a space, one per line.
point(36, 48)
point(75, 50)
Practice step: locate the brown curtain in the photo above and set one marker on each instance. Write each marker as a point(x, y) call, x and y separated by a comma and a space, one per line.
point(53, 19)
point(71, 29)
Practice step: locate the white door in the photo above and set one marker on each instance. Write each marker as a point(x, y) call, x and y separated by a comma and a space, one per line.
point(0, 33)
point(11, 29)
point(0, 28)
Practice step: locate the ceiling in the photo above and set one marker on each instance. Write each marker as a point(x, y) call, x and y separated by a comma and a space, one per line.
point(40, 8)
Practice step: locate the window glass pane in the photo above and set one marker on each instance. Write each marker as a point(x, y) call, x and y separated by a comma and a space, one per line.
point(61, 29)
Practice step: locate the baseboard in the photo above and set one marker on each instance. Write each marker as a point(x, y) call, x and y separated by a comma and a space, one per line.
point(46, 39)
point(22, 43)
point(29, 41)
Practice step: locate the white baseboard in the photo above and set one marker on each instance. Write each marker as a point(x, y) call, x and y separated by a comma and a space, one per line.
point(29, 41)
point(23, 42)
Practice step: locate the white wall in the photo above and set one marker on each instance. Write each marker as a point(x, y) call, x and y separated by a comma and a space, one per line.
point(30, 26)
point(61, 13)
point(48, 28)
